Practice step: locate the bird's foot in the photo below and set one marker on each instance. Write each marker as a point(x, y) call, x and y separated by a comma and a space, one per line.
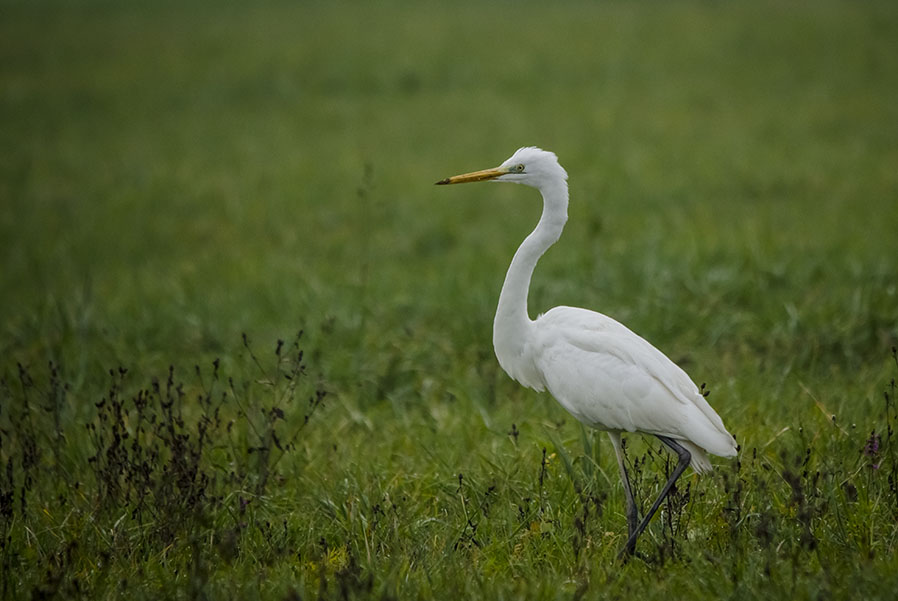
point(628, 553)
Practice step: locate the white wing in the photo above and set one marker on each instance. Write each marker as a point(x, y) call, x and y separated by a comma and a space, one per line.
point(610, 378)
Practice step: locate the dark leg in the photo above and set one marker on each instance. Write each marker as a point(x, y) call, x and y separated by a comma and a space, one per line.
point(683, 463)
point(632, 513)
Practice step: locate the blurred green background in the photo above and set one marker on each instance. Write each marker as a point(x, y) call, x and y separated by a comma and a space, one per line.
point(175, 174)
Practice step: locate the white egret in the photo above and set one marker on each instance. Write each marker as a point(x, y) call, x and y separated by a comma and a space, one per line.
point(605, 375)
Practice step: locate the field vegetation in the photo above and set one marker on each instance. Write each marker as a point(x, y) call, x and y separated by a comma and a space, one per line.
point(245, 343)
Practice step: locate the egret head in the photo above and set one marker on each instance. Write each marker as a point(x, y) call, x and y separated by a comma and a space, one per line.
point(529, 165)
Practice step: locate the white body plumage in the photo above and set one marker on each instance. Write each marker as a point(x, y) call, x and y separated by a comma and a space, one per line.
point(610, 378)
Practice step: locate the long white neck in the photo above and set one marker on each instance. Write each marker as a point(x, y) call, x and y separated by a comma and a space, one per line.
point(512, 323)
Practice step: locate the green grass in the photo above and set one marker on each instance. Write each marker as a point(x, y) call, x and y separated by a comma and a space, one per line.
point(175, 175)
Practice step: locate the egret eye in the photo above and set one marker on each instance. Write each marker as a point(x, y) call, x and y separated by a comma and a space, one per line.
point(519, 168)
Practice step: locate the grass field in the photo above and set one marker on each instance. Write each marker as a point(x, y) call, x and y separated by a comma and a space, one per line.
point(188, 184)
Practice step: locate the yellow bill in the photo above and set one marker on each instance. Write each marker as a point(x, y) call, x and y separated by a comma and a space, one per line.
point(474, 176)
